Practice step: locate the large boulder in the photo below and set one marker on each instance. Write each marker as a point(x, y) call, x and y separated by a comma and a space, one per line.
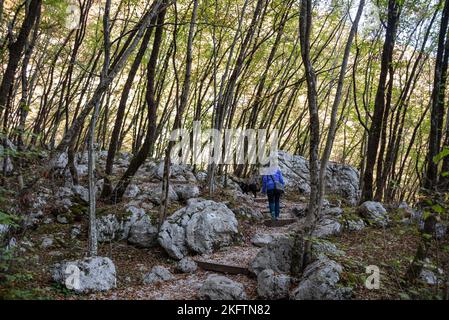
point(326, 248)
point(374, 213)
point(320, 281)
point(116, 227)
point(81, 192)
point(221, 288)
point(178, 172)
point(131, 191)
point(327, 227)
point(341, 180)
point(143, 233)
point(354, 224)
point(155, 195)
point(187, 265)
point(202, 226)
point(263, 239)
point(158, 274)
point(186, 191)
point(276, 255)
point(86, 275)
point(273, 286)
point(60, 161)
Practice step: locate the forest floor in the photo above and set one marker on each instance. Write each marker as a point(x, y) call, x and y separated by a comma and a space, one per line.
point(391, 249)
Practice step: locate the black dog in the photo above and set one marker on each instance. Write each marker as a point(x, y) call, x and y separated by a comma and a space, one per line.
point(249, 187)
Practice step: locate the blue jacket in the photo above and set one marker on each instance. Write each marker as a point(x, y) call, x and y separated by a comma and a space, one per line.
point(268, 183)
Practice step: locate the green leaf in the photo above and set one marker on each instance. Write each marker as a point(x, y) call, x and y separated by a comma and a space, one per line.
point(437, 208)
point(426, 214)
point(443, 154)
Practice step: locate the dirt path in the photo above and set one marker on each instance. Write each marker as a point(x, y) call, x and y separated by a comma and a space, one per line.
point(186, 286)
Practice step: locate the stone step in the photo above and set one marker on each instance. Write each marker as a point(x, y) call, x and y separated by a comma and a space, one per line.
point(172, 181)
point(223, 268)
point(279, 223)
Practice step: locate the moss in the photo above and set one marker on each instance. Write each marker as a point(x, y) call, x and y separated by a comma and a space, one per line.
point(51, 228)
point(349, 213)
point(78, 211)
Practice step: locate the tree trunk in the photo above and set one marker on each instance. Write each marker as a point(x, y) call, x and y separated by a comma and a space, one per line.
point(379, 103)
point(305, 26)
point(147, 145)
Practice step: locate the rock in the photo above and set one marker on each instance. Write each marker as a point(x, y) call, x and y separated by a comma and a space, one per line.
point(131, 191)
point(440, 230)
point(62, 219)
point(276, 256)
point(117, 227)
point(48, 220)
point(262, 240)
point(12, 244)
point(47, 242)
point(185, 192)
point(75, 232)
point(429, 277)
point(248, 212)
point(300, 210)
point(354, 224)
point(99, 187)
point(334, 212)
point(341, 180)
point(143, 233)
point(408, 211)
point(187, 265)
point(82, 192)
point(374, 213)
point(60, 161)
point(64, 192)
point(82, 170)
point(177, 172)
point(155, 195)
point(273, 286)
point(320, 281)
point(327, 227)
point(326, 248)
point(202, 226)
point(201, 176)
point(4, 229)
point(221, 288)
point(9, 165)
point(158, 274)
point(86, 275)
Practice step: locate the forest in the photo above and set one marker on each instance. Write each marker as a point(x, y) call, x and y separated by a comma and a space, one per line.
point(102, 195)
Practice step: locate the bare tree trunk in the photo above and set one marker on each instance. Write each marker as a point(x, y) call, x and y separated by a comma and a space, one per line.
point(107, 189)
point(15, 50)
point(179, 114)
point(337, 100)
point(147, 145)
point(93, 243)
point(394, 9)
point(305, 26)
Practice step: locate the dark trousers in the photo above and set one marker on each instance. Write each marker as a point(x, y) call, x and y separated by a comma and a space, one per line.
point(273, 200)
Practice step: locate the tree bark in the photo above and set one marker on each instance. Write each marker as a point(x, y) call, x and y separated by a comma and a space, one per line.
point(379, 103)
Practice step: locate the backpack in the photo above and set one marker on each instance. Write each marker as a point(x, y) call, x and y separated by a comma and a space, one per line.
point(277, 185)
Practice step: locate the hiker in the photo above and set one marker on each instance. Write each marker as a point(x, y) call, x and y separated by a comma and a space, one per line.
point(273, 185)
